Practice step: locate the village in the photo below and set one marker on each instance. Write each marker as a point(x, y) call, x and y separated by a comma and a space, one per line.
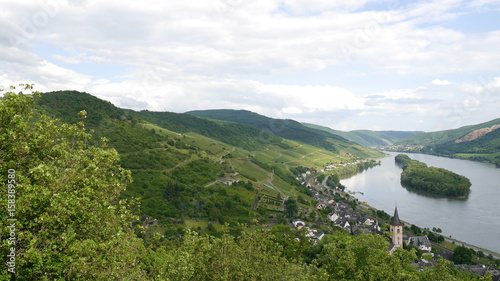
point(352, 217)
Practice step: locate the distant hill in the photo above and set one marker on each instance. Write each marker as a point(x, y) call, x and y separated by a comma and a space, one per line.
point(479, 142)
point(369, 138)
point(240, 135)
point(446, 135)
point(65, 105)
point(284, 128)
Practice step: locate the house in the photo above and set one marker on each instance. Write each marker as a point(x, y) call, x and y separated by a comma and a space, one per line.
point(319, 237)
point(372, 225)
point(346, 225)
point(229, 182)
point(423, 263)
point(311, 233)
point(421, 242)
point(480, 270)
point(333, 217)
point(320, 206)
point(298, 224)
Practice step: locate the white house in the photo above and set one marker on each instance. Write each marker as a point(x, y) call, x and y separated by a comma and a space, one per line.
point(421, 242)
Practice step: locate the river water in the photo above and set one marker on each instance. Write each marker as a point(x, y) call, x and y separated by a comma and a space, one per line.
point(475, 220)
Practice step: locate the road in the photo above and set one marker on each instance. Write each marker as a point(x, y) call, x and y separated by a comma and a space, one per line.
point(475, 248)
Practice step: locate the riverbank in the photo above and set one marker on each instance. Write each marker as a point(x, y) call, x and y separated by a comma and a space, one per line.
point(472, 220)
point(486, 252)
point(449, 240)
point(476, 157)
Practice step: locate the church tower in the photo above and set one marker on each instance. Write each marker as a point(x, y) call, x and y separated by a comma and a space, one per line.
point(397, 231)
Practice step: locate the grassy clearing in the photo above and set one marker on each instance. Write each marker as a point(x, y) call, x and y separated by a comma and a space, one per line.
point(249, 169)
point(448, 245)
point(203, 224)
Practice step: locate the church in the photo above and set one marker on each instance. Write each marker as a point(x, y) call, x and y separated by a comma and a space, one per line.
point(421, 242)
point(397, 232)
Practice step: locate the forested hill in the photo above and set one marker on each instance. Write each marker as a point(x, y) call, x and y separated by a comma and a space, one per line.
point(65, 104)
point(369, 138)
point(479, 142)
point(284, 128)
point(178, 161)
point(445, 136)
point(240, 135)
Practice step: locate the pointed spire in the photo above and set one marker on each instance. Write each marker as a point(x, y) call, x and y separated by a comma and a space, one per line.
point(395, 219)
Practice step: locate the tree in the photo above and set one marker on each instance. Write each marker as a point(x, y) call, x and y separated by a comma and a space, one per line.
point(278, 197)
point(71, 223)
point(291, 207)
point(463, 255)
point(363, 257)
point(253, 256)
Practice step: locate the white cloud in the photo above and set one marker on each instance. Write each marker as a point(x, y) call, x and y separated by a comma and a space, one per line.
point(184, 55)
point(440, 82)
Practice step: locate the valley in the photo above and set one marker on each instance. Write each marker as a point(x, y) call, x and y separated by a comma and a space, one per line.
point(186, 168)
point(175, 176)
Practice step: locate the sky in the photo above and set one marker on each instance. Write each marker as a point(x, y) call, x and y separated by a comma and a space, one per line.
point(345, 64)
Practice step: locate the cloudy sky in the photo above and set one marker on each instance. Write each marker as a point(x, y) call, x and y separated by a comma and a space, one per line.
point(346, 64)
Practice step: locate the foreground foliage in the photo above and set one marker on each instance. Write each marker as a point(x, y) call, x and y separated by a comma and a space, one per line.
point(70, 221)
point(276, 254)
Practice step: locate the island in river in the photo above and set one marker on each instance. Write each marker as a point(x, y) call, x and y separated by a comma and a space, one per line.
point(437, 181)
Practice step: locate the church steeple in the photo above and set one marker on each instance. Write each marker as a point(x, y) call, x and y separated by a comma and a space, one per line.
point(395, 219)
point(397, 231)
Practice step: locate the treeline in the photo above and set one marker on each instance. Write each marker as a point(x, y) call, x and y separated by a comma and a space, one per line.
point(350, 170)
point(281, 253)
point(239, 135)
point(438, 181)
point(483, 149)
point(288, 129)
point(487, 144)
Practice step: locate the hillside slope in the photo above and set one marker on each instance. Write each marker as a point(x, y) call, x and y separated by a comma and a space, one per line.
point(369, 138)
point(288, 129)
point(240, 135)
point(479, 142)
point(185, 167)
point(383, 138)
point(446, 135)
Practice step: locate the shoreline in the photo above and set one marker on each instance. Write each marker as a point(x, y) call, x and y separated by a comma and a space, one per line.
point(381, 187)
point(446, 238)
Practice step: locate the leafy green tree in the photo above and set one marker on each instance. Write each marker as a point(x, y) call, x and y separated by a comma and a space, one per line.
point(254, 256)
point(295, 245)
point(445, 270)
point(463, 255)
point(70, 223)
point(291, 207)
point(364, 257)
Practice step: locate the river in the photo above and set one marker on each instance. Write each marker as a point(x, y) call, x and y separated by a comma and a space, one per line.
point(475, 220)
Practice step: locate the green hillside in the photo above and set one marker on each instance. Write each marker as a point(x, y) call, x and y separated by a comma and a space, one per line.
point(288, 129)
point(179, 161)
point(485, 148)
point(383, 138)
point(369, 138)
point(446, 135)
point(240, 135)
